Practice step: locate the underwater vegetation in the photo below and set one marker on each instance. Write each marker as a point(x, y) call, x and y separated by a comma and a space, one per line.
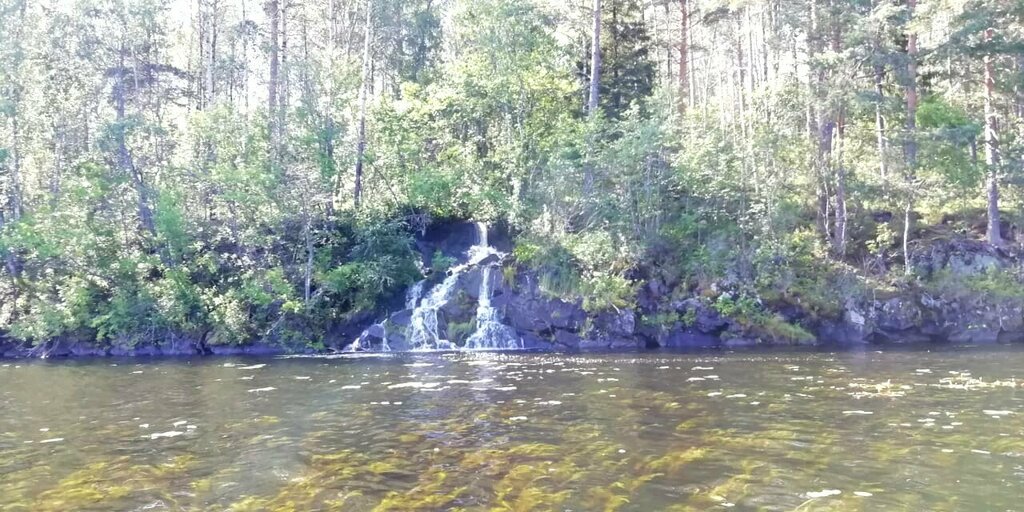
point(523, 432)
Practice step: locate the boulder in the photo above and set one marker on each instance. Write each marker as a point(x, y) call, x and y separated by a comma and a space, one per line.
point(616, 323)
point(960, 256)
point(705, 318)
point(687, 337)
point(400, 319)
point(739, 342)
point(896, 315)
point(567, 339)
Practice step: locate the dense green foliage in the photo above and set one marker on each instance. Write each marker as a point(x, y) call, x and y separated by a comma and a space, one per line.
point(187, 168)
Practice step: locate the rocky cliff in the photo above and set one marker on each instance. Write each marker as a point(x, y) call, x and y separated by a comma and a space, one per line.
point(964, 291)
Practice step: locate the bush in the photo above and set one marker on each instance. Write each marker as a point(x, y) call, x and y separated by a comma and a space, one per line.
point(750, 314)
point(589, 267)
point(603, 291)
point(439, 263)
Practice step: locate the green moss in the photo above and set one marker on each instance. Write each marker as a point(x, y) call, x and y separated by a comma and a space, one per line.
point(661, 320)
point(689, 318)
point(779, 330)
point(458, 332)
point(1000, 284)
point(439, 263)
point(509, 273)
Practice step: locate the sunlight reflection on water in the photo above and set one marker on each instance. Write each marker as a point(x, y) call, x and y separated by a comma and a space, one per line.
point(908, 430)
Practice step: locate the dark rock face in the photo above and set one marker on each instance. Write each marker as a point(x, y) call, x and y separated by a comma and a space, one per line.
point(918, 315)
point(529, 310)
point(453, 239)
point(173, 345)
point(900, 320)
point(661, 318)
point(450, 239)
point(695, 325)
point(960, 256)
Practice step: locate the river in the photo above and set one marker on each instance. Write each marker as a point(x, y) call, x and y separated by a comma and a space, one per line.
point(780, 430)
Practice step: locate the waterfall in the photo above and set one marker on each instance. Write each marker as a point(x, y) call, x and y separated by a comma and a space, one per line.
point(363, 343)
point(481, 235)
point(423, 330)
point(384, 347)
point(490, 333)
point(412, 297)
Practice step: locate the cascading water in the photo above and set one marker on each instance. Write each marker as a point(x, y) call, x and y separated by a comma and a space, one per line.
point(424, 330)
point(363, 342)
point(490, 333)
point(412, 297)
point(384, 346)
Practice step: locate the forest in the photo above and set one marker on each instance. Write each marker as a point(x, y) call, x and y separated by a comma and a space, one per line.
point(240, 170)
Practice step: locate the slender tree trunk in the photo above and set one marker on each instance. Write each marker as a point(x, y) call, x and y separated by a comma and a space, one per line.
point(684, 56)
point(59, 153)
point(594, 95)
point(206, 32)
point(310, 253)
point(124, 158)
point(668, 74)
point(211, 51)
point(12, 95)
point(883, 169)
point(911, 137)
point(819, 127)
point(833, 129)
point(595, 61)
point(837, 156)
point(10, 259)
point(991, 151)
point(741, 78)
point(766, 21)
point(910, 148)
point(1018, 89)
point(284, 89)
point(201, 61)
point(14, 187)
point(332, 49)
point(879, 70)
point(691, 73)
point(361, 137)
point(753, 68)
point(273, 11)
point(841, 235)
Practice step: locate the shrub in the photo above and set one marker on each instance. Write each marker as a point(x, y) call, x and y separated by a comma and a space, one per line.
point(439, 263)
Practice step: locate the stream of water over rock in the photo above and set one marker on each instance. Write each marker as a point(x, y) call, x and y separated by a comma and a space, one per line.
point(427, 331)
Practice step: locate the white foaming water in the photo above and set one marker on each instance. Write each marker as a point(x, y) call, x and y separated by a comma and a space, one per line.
point(384, 347)
point(490, 333)
point(363, 343)
point(412, 297)
point(424, 331)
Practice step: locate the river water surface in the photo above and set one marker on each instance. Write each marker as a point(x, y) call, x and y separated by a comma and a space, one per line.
point(909, 430)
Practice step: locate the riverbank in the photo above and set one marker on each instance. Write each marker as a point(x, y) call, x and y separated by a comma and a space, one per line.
point(962, 300)
point(964, 292)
